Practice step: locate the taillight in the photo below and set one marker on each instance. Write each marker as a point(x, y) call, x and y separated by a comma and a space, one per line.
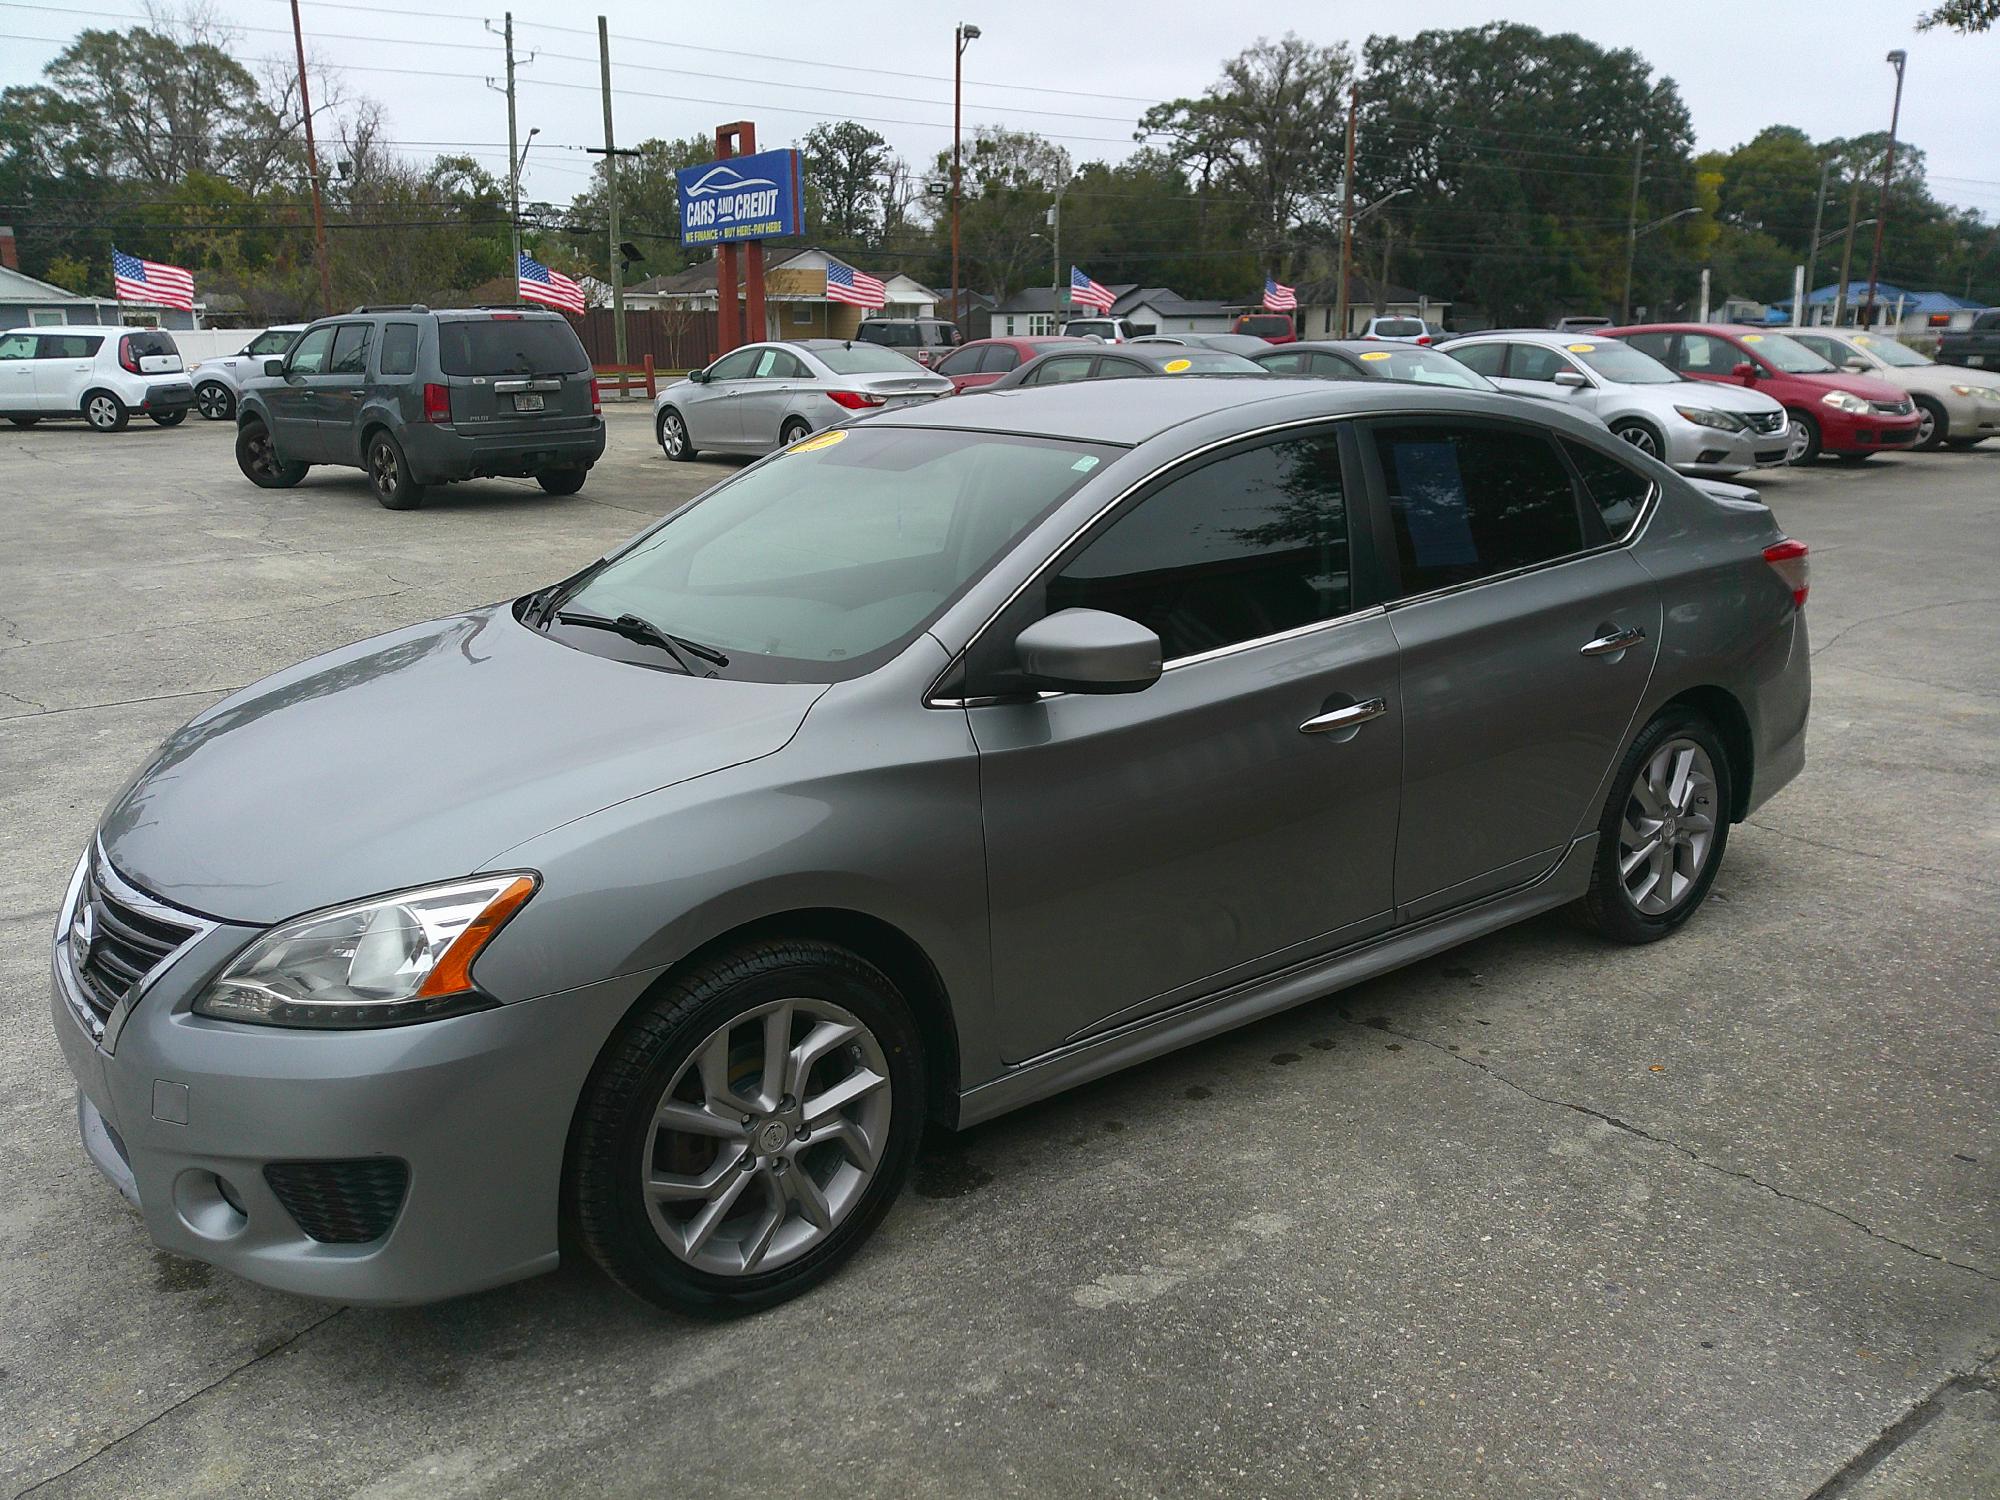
point(127, 360)
point(1788, 560)
point(858, 400)
point(596, 399)
point(437, 402)
point(1423, 338)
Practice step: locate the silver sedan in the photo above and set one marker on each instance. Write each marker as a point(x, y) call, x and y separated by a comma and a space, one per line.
point(766, 396)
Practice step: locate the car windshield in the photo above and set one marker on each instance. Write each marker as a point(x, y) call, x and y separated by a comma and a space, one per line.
point(1423, 367)
point(823, 560)
point(1781, 353)
point(1622, 363)
point(509, 345)
point(866, 359)
point(1889, 351)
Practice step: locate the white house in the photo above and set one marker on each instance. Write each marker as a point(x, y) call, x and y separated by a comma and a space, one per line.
point(795, 301)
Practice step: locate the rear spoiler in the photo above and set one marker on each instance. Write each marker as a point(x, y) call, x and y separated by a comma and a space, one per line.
point(1733, 494)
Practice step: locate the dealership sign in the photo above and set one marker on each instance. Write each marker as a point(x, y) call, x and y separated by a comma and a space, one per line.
point(742, 198)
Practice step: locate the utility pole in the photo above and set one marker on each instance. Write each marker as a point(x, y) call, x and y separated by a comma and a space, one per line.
point(1347, 216)
point(1819, 212)
point(513, 151)
point(1632, 225)
point(611, 193)
point(962, 37)
point(312, 172)
point(1847, 253)
point(1896, 60)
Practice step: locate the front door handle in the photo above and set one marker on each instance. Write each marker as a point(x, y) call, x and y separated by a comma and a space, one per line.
point(1615, 642)
point(1351, 717)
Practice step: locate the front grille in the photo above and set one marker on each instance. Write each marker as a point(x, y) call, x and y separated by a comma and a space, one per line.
point(1893, 408)
point(1765, 422)
point(341, 1202)
point(114, 942)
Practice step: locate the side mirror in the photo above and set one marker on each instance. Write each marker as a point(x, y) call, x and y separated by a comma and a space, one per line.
point(699, 377)
point(274, 367)
point(1571, 378)
point(1088, 651)
point(1745, 371)
point(1857, 364)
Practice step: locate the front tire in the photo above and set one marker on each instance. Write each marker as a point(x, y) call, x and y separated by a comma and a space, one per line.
point(257, 457)
point(561, 481)
point(747, 1127)
point(1642, 437)
point(105, 412)
point(215, 402)
point(389, 473)
point(1663, 831)
point(1933, 426)
point(1803, 446)
point(671, 429)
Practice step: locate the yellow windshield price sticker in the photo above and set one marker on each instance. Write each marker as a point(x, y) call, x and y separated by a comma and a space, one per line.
point(1178, 366)
point(1581, 348)
point(1376, 354)
point(1753, 338)
point(1862, 338)
point(814, 444)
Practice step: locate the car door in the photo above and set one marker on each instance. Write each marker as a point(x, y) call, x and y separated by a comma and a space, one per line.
point(1703, 356)
point(709, 409)
point(1527, 638)
point(18, 394)
point(337, 393)
point(1531, 370)
point(774, 384)
point(65, 367)
point(294, 422)
point(1146, 849)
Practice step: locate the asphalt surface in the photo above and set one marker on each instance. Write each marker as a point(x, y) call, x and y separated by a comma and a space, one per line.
point(1539, 1217)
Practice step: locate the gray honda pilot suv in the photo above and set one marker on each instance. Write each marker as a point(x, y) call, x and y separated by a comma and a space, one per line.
point(926, 767)
point(416, 398)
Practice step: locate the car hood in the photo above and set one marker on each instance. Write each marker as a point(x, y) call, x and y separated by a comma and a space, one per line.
point(415, 757)
point(1865, 386)
point(1938, 379)
point(1713, 396)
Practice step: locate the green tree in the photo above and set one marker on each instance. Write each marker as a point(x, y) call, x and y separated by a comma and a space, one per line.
point(1962, 15)
point(1010, 178)
point(845, 166)
point(648, 207)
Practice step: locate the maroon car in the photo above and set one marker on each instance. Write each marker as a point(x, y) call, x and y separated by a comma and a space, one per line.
point(1831, 411)
point(984, 361)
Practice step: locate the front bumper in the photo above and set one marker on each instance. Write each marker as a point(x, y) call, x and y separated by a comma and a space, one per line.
point(185, 1114)
point(440, 453)
point(1851, 432)
point(1967, 417)
point(1694, 449)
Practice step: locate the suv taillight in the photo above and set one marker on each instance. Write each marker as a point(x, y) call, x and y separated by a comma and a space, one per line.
point(127, 360)
point(1788, 561)
point(437, 402)
point(858, 400)
point(596, 398)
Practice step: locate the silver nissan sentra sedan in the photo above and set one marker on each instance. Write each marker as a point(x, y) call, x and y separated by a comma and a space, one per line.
point(921, 770)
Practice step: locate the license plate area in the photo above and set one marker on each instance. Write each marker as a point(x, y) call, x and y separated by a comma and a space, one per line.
point(528, 401)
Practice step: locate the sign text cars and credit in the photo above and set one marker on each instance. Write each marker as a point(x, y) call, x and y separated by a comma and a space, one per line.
point(744, 198)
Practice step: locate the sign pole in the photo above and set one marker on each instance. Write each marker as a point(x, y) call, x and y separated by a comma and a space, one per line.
point(612, 264)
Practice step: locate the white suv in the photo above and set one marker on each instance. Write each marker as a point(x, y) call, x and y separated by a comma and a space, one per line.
point(219, 381)
point(1104, 330)
point(100, 373)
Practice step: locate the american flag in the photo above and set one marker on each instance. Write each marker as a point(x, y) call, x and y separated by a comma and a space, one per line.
point(857, 288)
point(1087, 293)
point(148, 281)
point(1278, 297)
point(550, 288)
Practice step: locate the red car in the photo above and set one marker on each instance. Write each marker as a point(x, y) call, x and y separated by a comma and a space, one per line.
point(1830, 411)
point(984, 361)
point(1272, 328)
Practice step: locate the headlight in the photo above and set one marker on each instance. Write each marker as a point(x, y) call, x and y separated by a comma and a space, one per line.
point(1978, 392)
point(1847, 401)
point(1726, 421)
point(384, 962)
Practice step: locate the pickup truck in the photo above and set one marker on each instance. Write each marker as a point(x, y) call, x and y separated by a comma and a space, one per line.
point(1978, 345)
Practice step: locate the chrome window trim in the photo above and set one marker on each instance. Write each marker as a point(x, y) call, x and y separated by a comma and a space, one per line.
point(96, 865)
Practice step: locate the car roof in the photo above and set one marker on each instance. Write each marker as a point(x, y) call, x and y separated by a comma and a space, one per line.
point(1547, 336)
point(82, 328)
point(1128, 412)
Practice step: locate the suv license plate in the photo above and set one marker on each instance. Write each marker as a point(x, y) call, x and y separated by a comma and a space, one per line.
point(531, 402)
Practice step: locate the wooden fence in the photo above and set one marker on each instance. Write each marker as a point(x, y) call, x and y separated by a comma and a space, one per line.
point(672, 340)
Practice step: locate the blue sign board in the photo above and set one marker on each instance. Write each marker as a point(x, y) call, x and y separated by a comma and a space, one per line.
point(744, 198)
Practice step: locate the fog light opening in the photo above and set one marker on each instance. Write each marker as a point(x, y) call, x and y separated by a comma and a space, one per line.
point(208, 1205)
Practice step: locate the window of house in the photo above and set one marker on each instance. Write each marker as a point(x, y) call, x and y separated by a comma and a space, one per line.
point(1471, 501)
point(1250, 545)
point(802, 314)
point(45, 317)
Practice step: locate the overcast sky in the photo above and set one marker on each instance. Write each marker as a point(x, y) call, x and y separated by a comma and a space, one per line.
point(1816, 64)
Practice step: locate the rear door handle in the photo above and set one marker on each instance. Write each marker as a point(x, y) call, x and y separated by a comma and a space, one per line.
point(1351, 717)
point(1618, 640)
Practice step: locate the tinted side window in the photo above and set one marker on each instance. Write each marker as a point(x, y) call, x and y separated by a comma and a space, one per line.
point(1070, 367)
point(1618, 489)
point(275, 341)
point(1291, 362)
point(1534, 362)
point(399, 349)
point(998, 360)
point(17, 346)
point(1120, 369)
point(1654, 344)
point(964, 362)
point(309, 355)
point(1332, 366)
point(1699, 354)
point(70, 345)
point(1241, 548)
point(1469, 502)
point(350, 350)
point(736, 366)
point(1483, 359)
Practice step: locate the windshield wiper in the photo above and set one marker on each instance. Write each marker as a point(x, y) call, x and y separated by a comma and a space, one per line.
point(646, 633)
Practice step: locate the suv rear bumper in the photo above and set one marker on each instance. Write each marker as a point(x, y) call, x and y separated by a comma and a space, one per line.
point(176, 395)
point(440, 453)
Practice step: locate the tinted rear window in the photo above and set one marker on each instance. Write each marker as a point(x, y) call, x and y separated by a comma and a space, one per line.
point(148, 341)
point(1261, 326)
point(509, 346)
point(1399, 328)
point(895, 335)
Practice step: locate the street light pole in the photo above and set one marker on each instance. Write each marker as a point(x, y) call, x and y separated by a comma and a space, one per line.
point(1632, 227)
point(1347, 216)
point(1896, 60)
point(962, 36)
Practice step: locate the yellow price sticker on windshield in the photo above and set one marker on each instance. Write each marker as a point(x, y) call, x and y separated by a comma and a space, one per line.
point(1178, 366)
point(1581, 348)
point(814, 444)
point(1376, 354)
point(1862, 338)
point(1753, 338)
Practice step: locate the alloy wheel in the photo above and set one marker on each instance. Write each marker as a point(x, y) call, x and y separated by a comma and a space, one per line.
point(257, 443)
point(1926, 426)
point(767, 1138)
point(1801, 440)
point(673, 436)
point(213, 402)
point(1641, 439)
point(382, 468)
point(103, 413)
point(1668, 830)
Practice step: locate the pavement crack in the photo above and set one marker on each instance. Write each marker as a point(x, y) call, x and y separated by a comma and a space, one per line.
point(1688, 1151)
point(1897, 614)
point(1926, 1410)
point(166, 1411)
point(1959, 876)
point(84, 708)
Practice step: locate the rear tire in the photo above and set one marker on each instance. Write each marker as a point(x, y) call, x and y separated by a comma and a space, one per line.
point(794, 429)
point(671, 429)
point(789, 1187)
point(1663, 831)
point(105, 412)
point(24, 421)
point(216, 403)
point(259, 460)
point(1804, 440)
point(168, 418)
point(389, 473)
point(1958, 443)
point(562, 481)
